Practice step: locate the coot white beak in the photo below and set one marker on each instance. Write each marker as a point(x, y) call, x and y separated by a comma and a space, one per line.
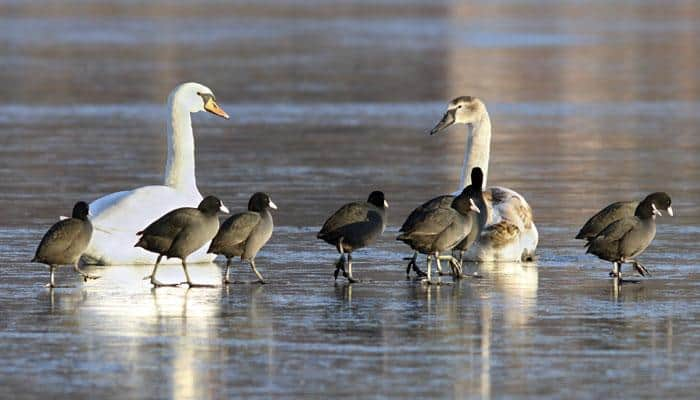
point(273, 205)
point(655, 210)
point(473, 206)
point(223, 209)
point(386, 205)
point(669, 210)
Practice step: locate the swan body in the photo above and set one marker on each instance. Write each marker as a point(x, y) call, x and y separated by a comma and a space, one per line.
point(118, 216)
point(510, 233)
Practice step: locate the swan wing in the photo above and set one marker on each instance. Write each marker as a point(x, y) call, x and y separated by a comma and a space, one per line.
point(510, 220)
point(131, 211)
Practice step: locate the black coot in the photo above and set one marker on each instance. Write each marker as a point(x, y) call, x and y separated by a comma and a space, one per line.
point(181, 232)
point(244, 234)
point(65, 242)
point(616, 211)
point(445, 201)
point(353, 226)
point(441, 230)
point(625, 239)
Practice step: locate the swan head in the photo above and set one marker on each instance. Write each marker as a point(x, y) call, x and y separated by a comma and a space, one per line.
point(195, 97)
point(462, 110)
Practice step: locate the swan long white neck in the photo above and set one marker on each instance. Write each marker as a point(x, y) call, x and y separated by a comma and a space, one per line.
point(477, 151)
point(179, 169)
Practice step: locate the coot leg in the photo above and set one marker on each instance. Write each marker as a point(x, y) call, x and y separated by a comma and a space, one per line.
point(439, 266)
point(85, 275)
point(155, 282)
point(51, 283)
point(349, 275)
point(340, 266)
point(260, 277)
point(615, 273)
point(228, 267)
point(641, 270)
point(189, 280)
point(412, 264)
point(427, 279)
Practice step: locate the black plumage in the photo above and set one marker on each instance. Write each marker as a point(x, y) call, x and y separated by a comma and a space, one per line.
point(181, 232)
point(66, 241)
point(353, 226)
point(244, 234)
point(626, 238)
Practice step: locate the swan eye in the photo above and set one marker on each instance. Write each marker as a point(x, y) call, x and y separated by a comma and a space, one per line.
point(459, 106)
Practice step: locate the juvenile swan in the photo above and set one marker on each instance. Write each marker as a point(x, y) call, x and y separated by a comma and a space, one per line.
point(118, 216)
point(510, 233)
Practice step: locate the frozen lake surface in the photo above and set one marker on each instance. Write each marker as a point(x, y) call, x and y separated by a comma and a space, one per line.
point(591, 103)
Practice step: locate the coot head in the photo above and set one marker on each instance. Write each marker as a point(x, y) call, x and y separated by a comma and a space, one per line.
point(661, 201)
point(211, 205)
point(81, 210)
point(377, 198)
point(260, 201)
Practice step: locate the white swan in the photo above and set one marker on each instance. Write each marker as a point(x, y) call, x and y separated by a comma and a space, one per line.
point(118, 216)
point(510, 233)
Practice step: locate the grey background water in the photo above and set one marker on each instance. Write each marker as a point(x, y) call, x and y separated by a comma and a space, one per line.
point(591, 101)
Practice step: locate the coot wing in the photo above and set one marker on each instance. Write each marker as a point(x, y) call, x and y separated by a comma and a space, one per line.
point(237, 228)
point(618, 229)
point(430, 205)
point(347, 214)
point(605, 217)
point(172, 223)
point(59, 237)
point(433, 222)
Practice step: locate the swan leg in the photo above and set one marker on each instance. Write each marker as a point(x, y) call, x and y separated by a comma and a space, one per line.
point(255, 270)
point(155, 282)
point(439, 266)
point(189, 280)
point(349, 275)
point(85, 275)
point(51, 283)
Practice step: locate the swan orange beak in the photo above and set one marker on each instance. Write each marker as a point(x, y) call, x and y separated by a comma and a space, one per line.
point(212, 107)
